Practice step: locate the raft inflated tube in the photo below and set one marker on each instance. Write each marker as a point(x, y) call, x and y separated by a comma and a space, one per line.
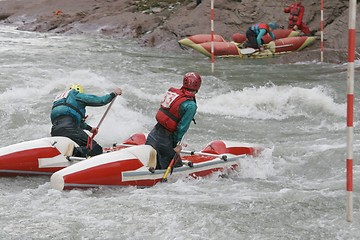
point(307, 42)
point(57, 181)
point(200, 38)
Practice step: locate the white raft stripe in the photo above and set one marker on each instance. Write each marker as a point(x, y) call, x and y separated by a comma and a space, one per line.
point(202, 166)
point(57, 161)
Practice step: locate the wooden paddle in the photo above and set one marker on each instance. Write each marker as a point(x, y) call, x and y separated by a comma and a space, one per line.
point(90, 139)
point(247, 51)
point(175, 159)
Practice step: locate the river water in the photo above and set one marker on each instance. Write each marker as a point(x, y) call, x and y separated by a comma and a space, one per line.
point(294, 190)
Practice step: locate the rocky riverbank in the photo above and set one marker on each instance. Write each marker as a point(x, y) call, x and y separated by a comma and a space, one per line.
point(161, 24)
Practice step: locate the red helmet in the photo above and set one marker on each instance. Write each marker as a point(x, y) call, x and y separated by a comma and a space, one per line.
point(192, 81)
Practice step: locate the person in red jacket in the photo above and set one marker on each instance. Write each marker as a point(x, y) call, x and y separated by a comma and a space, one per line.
point(296, 11)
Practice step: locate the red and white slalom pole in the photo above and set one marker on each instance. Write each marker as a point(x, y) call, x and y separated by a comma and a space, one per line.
point(322, 31)
point(350, 109)
point(212, 16)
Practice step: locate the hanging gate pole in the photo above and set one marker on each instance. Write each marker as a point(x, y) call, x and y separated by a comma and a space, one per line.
point(350, 110)
point(212, 16)
point(322, 31)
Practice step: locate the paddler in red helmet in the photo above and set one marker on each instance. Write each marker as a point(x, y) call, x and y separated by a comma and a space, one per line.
point(177, 110)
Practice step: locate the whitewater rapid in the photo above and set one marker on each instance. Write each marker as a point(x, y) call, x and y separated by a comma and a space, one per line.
point(297, 112)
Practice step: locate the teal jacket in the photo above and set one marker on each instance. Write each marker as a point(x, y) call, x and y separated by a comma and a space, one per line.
point(187, 112)
point(72, 103)
point(260, 30)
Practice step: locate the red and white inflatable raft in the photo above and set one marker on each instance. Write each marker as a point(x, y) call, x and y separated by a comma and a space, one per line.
point(46, 155)
point(37, 157)
point(135, 166)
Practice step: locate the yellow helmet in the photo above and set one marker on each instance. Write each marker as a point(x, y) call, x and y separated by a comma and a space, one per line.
point(77, 87)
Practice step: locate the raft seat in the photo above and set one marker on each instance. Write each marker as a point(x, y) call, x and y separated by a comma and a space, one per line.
point(146, 155)
point(69, 150)
point(151, 164)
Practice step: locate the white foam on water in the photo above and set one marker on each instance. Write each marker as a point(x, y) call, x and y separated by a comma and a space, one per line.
point(273, 102)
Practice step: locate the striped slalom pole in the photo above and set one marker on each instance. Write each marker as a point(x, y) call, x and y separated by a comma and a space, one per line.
point(212, 16)
point(322, 31)
point(350, 110)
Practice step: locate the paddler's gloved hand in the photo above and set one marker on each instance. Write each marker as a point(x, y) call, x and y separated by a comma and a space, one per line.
point(117, 91)
point(178, 149)
point(94, 130)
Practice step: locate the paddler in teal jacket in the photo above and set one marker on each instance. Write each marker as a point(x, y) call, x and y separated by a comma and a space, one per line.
point(174, 116)
point(68, 116)
point(255, 33)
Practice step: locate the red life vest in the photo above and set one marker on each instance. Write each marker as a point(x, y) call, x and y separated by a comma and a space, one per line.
point(294, 13)
point(256, 28)
point(168, 114)
point(264, 26)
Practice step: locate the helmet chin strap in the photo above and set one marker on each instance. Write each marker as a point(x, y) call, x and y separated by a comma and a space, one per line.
point(189, 90)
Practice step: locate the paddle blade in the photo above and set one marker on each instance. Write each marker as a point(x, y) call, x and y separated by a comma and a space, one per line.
point(170, 168)
point(246, 51)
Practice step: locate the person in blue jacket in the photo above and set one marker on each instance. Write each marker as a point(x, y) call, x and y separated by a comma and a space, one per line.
point(68, 116)
point(255, 33)
point(177, 110)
